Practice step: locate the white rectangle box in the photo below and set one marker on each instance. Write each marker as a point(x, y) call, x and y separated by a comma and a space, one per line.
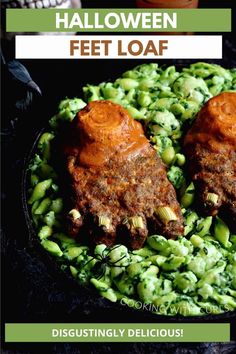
point(58, 47)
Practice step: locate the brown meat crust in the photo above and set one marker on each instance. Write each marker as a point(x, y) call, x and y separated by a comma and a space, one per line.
point(210, 146)
point(116, 173)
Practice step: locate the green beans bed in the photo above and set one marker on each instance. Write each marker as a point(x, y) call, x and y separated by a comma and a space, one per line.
point(193, 275)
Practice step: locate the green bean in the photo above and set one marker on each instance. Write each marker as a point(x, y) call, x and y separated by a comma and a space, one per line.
point(145, 84)
point(221, 232)
point(35, 163)
point(64, 240)
point(50, 219)
point(233, 239)
point(176, 176)
point(180, 159)
point(165, 300)
point(40, 190)
point(206, 291)
point(135, 269)
point(134, 258)
point(215, 90)
point(169, 72)
point(45, 232)
point(166, 120)
point(44, 139)
point(101, 286)
point(92, 93)
point(144, 252)
point(157, 130)
point(163, 103)
point(73, 105)
point(111, 92)
point(188, 197)
point(134, 112)
point(151, 271)
point(212, 256)
point(157, 259)
point(186, 281)
point(90, 263)
point(46, 171)
point(125, 285)
point(65, 115)
point(203, 227)
point(52, 247)
point(119, 256)
point(144, 99)
point(127, 83)
point(34, 206)
point(73, 252)
point(55, 187)
point(147, 289)
point(190, 222)
point(157, 242)
point(172, 263)
point(197, 265)
point(196, 240)
point(224, 300)
point(218, 80)
point(34, 179)
point(122, 102)
point(104, 289)
point(168, 155)
point(131, 74)
point(43, 206)
point(109, 294)
point(161, 142)
point(178, 249)
point(44, 144)
point(231, 292)
point(189, 114)
point(130, 96)
point(74, 271)
point(177, 109)
point(57, 205)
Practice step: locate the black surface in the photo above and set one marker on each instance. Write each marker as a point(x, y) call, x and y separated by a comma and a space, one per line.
point(32, 290)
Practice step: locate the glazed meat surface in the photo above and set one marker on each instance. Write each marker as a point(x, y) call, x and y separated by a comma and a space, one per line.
point(118, 181)
point(210, 146)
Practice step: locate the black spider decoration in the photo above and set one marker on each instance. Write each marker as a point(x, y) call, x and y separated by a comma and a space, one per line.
point(104, 261)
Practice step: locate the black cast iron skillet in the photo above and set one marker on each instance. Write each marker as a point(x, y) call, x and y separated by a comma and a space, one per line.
point(112, 312)
point(88, 305)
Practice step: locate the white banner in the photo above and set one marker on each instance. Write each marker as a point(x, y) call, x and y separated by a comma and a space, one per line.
point(118, 47)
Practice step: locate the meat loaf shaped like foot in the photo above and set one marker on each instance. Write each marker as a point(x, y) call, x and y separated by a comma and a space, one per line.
point(210, 146)
point(120, 189)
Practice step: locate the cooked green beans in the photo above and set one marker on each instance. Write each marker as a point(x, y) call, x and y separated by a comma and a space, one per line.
point(221, 232)
point(127, 84)
point(44, 145)
point(188, 197)
point(40, 190)
point(52, 247)
point(194, 274)
point(57, 205)
point(45, 232)
point(43, 206)
point(168, 155)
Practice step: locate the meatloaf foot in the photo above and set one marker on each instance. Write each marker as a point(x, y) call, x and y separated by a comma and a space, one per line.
point(210, 146)
point(119, 184)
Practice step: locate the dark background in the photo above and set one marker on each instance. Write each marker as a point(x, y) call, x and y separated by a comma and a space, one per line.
point(33, 289)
